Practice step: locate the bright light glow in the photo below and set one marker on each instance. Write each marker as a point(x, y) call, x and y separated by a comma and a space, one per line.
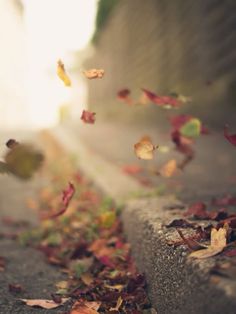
point(54, 29)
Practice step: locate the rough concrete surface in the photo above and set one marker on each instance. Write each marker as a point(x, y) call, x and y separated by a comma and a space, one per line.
point(177, 284)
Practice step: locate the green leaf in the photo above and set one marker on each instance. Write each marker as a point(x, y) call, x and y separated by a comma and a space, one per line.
point(192, 128)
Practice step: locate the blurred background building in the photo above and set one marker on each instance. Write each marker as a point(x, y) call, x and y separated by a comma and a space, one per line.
point(181, 46)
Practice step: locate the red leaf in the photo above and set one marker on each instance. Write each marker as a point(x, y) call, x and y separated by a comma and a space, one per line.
point(197, 210)
point(123, 93)
point(231, 138)
point(161, 100)
point(88, 117)
point(66, 198)
point(132, 169)
point(68, 194)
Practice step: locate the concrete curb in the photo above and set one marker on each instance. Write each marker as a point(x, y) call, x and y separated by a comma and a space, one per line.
point(176, 283)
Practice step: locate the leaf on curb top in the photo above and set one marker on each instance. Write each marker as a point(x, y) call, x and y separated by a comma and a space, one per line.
point(88, 117)
point(218, 243)
point(94, 73)
point(46, 304)
point(61, 72)
point(144, 149)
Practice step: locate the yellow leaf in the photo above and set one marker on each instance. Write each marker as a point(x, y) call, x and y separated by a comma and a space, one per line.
point(218, 243)
point(144, 149)
point(61, 72)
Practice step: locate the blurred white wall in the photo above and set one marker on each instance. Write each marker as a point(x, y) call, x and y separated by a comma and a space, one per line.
point(13, 111)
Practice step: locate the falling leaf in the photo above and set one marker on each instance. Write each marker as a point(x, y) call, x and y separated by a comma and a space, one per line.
point(23, 160)
point(61, 72)
point(218, 243)
point(94, 73)
point(11, 143)
point(169, 169)
point(144, 149)
point(132, 169)
point(124, 95)
point(46, 304)
point(88, 117)
point(66, 198)
point(165, 101)
point(68, 194)
point(84, 307)
point(191, 129)
point(231, 138)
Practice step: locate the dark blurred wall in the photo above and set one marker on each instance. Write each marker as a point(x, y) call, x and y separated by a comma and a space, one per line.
point(167, 45)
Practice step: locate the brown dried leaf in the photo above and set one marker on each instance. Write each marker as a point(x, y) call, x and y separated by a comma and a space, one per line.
point(46, 304)
point(94, 73)
point(144, 149)
point(218, 243)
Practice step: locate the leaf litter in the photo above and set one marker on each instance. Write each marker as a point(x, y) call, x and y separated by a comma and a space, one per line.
point(86, 241)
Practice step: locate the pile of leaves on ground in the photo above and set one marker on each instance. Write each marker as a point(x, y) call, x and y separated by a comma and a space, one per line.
point(81, 232)
point(210, 230)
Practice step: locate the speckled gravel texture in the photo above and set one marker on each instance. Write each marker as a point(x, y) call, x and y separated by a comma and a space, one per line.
point(177, 284)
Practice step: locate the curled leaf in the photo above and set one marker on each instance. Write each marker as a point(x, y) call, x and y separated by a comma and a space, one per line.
point(218, 243)
point(94, 73)
point(144, 149)
point(88, 117)
point(61, 72)
point(164, 101)
point(67, 195)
